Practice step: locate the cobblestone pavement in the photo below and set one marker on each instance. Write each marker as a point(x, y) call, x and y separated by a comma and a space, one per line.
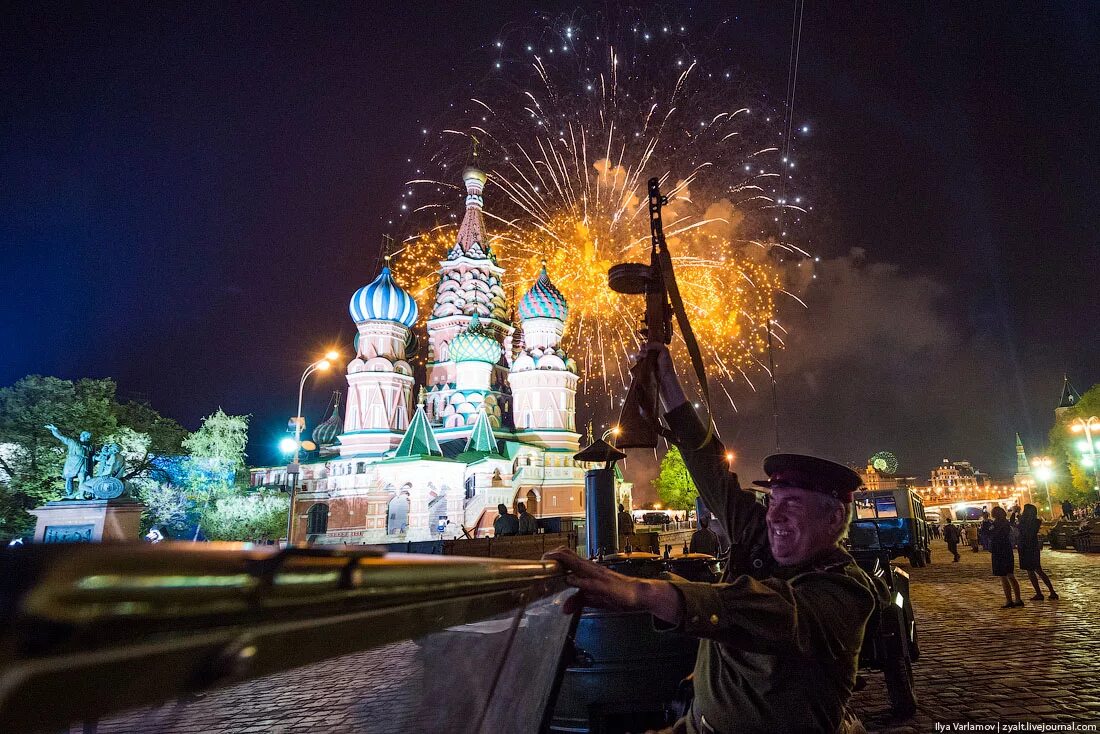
point(981, 663)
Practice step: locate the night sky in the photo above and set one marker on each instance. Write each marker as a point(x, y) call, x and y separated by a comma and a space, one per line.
point(190, 196)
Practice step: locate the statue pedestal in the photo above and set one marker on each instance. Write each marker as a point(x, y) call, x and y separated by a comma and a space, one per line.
point(88, 521)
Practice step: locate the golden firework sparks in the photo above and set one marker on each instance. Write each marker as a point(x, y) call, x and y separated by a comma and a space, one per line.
point(569, 131)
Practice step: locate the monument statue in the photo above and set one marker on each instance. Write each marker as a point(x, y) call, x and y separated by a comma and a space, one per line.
point(89, 475)
point(109, 468)
point(104, 481)
point(78, 462)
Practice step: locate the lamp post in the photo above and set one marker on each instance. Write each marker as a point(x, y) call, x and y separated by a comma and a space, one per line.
point(294, 468)
point(1043, 472)
point(1086, 425)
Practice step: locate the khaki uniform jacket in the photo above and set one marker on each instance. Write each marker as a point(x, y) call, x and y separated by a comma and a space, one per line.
point(779, 645)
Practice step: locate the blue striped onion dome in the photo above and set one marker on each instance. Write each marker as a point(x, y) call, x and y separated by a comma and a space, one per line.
point(383, 300)
point(543, 300)
point(475, 344)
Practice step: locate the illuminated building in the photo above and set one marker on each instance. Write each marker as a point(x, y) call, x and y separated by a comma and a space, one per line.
point(958, 483)
point(955, 481)
point(494, 423)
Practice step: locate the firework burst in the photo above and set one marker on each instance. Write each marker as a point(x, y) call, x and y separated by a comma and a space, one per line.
point(571, 122)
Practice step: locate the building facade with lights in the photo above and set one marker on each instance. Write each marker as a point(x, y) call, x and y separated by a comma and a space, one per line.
point(494, 421)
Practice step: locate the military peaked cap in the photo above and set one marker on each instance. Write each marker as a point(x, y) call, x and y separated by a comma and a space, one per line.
point(810, 473)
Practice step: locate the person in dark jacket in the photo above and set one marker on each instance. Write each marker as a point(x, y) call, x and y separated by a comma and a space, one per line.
point(951, 535)
point(1000, 546)
point(527, 525)
point(626, 521)
point(705, 540)
point(1029, 553)
point(985, 534)
point(506, 523)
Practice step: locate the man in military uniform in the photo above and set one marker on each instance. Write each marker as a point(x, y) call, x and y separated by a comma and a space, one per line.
point(781, 632)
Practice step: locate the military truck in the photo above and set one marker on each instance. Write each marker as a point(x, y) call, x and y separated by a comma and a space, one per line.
point(891, 520)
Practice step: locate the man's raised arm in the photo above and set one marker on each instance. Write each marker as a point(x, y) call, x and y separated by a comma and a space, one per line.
point(741, 515)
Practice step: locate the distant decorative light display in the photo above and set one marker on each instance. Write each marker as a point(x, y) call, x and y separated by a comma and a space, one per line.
point(884, 462)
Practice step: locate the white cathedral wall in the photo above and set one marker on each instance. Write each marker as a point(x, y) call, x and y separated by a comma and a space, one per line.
point(378, 401)
point(544, 399)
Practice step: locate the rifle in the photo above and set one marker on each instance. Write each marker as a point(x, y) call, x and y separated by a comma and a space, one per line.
point(639, 420)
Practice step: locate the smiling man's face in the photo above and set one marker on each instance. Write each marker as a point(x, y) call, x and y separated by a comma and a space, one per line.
point(801, 525)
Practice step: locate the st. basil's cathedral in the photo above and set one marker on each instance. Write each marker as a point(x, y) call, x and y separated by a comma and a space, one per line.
point(495, 421)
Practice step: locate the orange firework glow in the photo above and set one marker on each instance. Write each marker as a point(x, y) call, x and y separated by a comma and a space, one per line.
point(568, 140)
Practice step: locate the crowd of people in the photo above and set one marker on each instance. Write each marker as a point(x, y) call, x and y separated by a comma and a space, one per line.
point(1084, 512)
point(1003, 535)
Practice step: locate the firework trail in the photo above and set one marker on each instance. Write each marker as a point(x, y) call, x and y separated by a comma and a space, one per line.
point(572, 120)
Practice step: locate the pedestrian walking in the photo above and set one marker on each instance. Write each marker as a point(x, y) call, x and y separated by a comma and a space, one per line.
point(1029, 553)
point(972, 536)
point(951, 535)
point(1000, 546)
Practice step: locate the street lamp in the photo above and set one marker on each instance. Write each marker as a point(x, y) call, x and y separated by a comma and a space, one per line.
point(1044, 473)
point(299, 423)
point(1086, 425)
point(613, 433)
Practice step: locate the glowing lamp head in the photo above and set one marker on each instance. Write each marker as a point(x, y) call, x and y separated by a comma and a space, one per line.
point(1044, 473)
point(1087, 461)
point(1083, 446)
point(729, 456)
point(324, 364)
point(615, 430)
point(288, 445)
point(332, 355)
point(1077, 427)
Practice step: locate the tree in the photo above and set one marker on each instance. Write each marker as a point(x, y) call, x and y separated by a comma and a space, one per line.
point(253, 515)
point(1073, 480)
point(229, 508)
point(31, 459)
point(674, 486)
point(218, 446)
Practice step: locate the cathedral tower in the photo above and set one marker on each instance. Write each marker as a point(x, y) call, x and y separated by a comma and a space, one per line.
point(380, 378)
point(543, 378)
point(469, 290)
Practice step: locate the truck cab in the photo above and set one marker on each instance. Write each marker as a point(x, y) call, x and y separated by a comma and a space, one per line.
point(891, 520)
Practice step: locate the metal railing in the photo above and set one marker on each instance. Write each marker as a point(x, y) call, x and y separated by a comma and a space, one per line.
point(91, 631)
